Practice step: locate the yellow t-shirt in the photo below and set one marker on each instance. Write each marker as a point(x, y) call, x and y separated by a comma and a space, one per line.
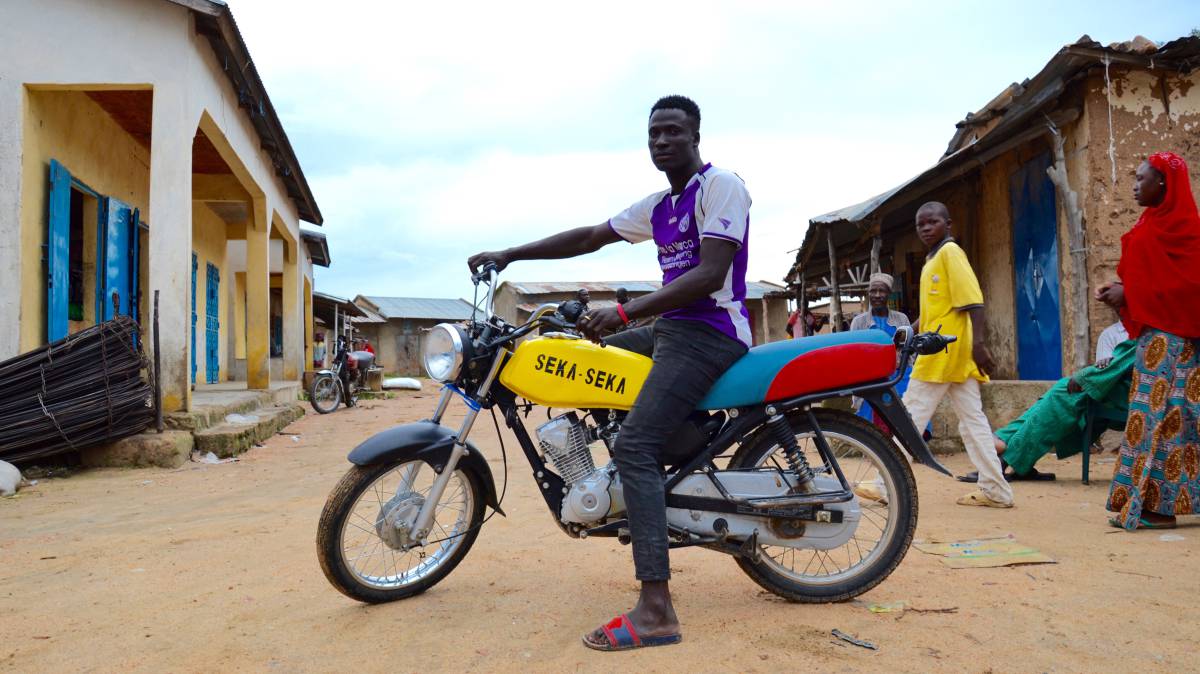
point(947, 284)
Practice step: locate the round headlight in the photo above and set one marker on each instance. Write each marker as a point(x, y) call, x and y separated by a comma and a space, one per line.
point(443, 352)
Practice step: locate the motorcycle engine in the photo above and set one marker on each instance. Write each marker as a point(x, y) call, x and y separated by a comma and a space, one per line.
point(564, 441)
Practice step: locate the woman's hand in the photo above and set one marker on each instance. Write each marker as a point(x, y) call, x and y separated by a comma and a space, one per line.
point(1112, 294)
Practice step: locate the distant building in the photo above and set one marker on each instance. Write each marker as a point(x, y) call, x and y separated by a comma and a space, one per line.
point(1040, 247)
point(517, 300)
point(140, 153)
point(396, 327)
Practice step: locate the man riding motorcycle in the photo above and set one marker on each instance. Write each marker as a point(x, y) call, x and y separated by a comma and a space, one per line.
point(700, 226)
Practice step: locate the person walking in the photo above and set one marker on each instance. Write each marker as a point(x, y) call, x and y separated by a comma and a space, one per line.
point(952, 301)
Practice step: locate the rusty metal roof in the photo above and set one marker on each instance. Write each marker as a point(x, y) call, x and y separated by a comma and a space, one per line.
point(754, 289)
point(418, 307)
point(1020, 107)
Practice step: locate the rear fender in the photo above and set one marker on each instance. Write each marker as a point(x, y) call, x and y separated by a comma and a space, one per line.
point(428, 442)
point(887, 403)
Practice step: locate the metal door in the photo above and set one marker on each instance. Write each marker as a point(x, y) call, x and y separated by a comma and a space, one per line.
point(1035, 252)
point(195, 265)
point(58, 252)
point(118, 265)
point(212, 325)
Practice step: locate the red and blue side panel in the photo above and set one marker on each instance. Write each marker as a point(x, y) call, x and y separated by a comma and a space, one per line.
point(796, 367)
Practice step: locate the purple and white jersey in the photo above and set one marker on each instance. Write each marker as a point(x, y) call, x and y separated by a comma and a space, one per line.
point(715, 203)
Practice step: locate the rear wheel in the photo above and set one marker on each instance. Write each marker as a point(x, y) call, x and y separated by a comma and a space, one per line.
point(887, 496)
point(324, 394)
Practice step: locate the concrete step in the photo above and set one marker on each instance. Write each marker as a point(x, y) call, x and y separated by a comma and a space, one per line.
point(233, 436)
point(209, 408)
point(169, 449)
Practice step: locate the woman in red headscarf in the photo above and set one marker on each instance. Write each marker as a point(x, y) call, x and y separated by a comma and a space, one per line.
point(1158, 474)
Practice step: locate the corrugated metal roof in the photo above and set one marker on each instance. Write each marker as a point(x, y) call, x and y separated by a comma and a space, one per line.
point(754, 289)
point(421, 307)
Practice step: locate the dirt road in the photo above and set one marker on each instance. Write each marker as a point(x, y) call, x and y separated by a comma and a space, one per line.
point(213, 568)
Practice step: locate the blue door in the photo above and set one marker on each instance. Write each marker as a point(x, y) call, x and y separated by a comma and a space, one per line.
point(118, 266)
point(195, 265)
point(212, 325)
point(58, 252)
point(1035, 251)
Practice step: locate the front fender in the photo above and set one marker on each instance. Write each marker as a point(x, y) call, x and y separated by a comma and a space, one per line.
point(428, 442)
point(321, 372)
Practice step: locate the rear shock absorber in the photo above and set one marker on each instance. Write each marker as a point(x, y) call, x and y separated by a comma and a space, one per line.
point(781, 430)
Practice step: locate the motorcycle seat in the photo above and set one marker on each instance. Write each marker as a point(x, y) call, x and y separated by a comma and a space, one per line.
point(795, 367)
point(362, 359)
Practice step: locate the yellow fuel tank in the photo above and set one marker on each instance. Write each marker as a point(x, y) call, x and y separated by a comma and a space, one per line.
point(575, 373)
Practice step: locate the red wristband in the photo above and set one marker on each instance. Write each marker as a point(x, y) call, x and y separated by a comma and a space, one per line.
point(621, 313)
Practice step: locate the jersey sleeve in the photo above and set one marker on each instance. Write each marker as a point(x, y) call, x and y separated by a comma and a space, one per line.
point(725, 207)
point(633, 223)
point(963, 286)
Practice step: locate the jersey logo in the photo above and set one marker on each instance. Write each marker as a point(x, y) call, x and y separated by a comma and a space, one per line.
point(685, 223)
point(724, 223)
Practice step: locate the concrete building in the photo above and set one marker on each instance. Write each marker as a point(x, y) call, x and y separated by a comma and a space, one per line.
point(1039, 185)
point(396, 327)
point(140, 153)
point(516, 301)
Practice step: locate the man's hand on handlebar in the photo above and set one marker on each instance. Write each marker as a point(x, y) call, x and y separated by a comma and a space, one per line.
point(498, 258)
point(598, 322)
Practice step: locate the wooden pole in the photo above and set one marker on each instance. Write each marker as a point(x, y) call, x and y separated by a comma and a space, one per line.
point(1069, 200)
point(835, 298)
point(158, 412)
point(876, 246)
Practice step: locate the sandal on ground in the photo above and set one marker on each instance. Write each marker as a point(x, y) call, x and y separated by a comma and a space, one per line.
point(1034, 475)
point(622, 636)
point(1143, 523)
point(978, 498)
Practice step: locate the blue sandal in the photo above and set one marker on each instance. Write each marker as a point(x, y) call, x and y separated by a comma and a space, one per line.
point(623, 637)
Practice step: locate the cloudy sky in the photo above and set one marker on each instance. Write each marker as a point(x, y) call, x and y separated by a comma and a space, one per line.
point(433, 130)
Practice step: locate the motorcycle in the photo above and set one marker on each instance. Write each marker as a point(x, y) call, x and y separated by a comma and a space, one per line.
point(813, 503)
point(341, 381)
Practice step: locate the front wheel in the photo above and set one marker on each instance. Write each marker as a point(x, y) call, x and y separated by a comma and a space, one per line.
point(324, 394)
point(885, 488)
point(361, 538)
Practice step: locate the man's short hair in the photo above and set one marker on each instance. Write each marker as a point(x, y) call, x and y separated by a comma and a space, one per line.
point(676, 102)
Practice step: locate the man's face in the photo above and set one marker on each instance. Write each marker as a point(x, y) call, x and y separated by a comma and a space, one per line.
point(878, 295)
point(932, 225)
point(583, 295)
point(674, 142)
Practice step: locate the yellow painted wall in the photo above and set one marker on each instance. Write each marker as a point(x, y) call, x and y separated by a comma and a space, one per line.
point(71, 128)
point(239, 315)
point(208, 242)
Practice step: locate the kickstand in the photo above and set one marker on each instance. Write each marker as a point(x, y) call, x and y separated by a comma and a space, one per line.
point(750, 549)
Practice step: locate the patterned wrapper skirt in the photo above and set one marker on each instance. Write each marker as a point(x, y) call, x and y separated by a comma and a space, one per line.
point(1159, 467)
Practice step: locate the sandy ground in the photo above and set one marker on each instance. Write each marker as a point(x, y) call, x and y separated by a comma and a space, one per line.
point(213, 568)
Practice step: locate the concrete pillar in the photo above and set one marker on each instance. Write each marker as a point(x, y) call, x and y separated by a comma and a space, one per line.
point(308, 325)
point(170, 241)
point(258, 297)
point(12, 123)
point(293, 326)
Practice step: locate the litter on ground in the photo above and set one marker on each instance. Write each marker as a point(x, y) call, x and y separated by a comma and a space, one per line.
point(984, 552)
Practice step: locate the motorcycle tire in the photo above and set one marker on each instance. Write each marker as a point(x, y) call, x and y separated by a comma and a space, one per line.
point(338, 509)
point(312, 394)
point(903, 493)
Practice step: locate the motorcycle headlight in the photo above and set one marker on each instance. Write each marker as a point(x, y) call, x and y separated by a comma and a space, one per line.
point(443, 352)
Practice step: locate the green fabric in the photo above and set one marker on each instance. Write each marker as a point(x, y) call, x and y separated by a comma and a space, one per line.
point(1057, 420)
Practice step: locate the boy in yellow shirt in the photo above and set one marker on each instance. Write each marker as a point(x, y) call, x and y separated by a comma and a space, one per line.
point(951, 298)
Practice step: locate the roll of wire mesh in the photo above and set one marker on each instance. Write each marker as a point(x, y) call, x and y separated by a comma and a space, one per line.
point(87, 389)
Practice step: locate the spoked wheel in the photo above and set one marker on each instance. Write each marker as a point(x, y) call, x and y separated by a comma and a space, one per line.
point(361, 538)
point(886, 492)
point(324, 394)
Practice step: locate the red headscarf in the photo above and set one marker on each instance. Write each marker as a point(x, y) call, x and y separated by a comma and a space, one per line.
point(1160, 258)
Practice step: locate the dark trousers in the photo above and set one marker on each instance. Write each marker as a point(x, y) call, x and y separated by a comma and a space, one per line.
point(688, 357)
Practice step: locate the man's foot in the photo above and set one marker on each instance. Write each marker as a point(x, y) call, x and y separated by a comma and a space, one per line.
point(652, 620)
point(978, 498)
point(621, 635)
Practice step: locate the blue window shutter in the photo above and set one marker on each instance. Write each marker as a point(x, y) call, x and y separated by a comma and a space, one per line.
point(195, 265)
point(119, 231)
point(58, 252)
